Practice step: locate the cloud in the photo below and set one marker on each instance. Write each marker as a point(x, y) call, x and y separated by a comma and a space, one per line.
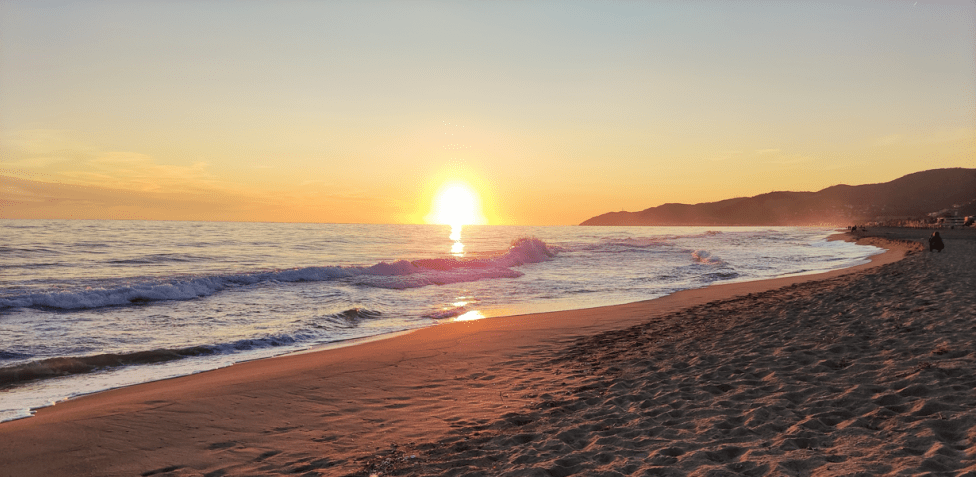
point(53, 174)
point(134, 171)
point(65, 157)
point(42, 148)
point(24, 198)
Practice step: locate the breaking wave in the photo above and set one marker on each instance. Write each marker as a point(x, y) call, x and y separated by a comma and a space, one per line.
point(400, 274)
point(705, 257)
point(64, 366)
point(349, 318)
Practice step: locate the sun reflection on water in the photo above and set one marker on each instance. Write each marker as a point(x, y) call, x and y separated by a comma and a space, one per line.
point(470, 316)
point(458, 248)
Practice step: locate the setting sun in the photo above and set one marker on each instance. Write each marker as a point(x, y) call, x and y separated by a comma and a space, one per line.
point(469, 198)
point(456, 204)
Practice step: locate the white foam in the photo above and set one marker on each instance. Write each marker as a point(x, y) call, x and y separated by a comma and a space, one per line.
point(399, 274)
point(706, 257)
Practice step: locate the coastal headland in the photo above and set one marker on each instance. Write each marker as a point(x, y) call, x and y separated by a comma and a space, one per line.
point(862, 371)
point(911, 198)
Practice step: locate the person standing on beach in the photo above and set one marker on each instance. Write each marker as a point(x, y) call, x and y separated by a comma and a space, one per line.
point(935, 242)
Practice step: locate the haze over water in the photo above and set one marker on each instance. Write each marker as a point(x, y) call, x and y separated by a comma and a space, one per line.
point(149, 300)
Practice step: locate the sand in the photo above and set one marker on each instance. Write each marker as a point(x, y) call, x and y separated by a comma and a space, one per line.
point(868, 371)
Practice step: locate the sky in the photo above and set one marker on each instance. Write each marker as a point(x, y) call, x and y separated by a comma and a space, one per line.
point(551, 112)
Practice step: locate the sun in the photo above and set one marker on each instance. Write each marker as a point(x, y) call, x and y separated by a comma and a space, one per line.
point(456, 203)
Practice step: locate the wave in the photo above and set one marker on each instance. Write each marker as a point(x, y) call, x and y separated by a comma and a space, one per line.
point(13, 355)
point(64, 366)
point(154, 259)
point(649, 242)
point(400, 274)
point(718, 269)
point(349, 318)
point(705, 257)
point(357, 314)
point(54, 367)
point(4, 249)
point(636, 242)
point(718, 276)
point(450, 313)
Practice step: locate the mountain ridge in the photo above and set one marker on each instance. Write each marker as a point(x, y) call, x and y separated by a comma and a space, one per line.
point(914, 195)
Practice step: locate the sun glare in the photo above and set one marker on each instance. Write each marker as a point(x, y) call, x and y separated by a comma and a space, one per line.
point(456, 204)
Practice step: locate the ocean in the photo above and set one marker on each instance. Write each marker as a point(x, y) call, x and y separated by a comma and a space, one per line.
point(87, 306)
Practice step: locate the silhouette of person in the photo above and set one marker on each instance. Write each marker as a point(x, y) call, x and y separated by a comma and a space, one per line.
point(935, 242)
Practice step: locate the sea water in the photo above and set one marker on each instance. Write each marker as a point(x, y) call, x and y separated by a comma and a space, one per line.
point(87, 306)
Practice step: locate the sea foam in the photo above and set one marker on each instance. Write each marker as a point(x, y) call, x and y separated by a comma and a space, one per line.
point(69, 365)
point(399, 274)
point(706, 257)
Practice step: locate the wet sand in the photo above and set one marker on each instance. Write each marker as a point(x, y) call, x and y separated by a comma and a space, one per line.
point(866, 371)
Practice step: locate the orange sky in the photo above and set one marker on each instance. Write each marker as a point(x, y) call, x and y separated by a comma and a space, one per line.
point(553, 112)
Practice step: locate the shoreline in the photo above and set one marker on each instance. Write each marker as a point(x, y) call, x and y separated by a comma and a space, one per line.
point(366, 399)
point(311, 348)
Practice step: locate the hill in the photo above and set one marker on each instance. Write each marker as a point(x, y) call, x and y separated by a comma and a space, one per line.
point(915, 195)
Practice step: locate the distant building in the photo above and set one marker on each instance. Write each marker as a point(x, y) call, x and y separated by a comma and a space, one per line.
point(951, 221)
point(901, 221)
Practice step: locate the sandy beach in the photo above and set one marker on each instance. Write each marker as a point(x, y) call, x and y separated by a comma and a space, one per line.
point(864, 371)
